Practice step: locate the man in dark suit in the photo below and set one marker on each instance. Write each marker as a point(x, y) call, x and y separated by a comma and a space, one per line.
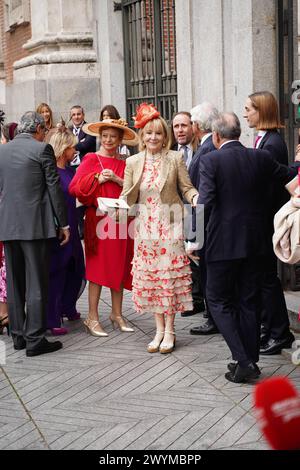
point(86, 144)
point(202, 117)
point(234, 182)
point(186, 143)
point(32, 208)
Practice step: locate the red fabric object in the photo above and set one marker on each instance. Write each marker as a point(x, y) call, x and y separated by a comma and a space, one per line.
point(108, 260)
point(277, 409)
point(1, 249)
point(144, 113)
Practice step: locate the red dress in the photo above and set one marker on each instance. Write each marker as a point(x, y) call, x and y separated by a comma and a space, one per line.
point(108, 258)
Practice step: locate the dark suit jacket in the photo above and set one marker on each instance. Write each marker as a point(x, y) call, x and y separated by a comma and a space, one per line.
point(86, 143)
point(194, 170)
point(234, 182)
point(30, 191)
point(278, 195)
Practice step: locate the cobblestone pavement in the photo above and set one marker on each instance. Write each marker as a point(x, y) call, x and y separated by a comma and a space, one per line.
point(110, 393)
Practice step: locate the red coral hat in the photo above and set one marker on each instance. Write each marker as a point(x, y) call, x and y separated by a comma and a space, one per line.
point(144, 113)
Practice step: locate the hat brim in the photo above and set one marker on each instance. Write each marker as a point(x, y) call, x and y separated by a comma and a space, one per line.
point(129, 137)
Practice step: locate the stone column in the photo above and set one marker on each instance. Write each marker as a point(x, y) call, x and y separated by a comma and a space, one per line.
point(2, 77)
point(109, 37)
point(225, 51)
point(61, 68)
point(2, 71)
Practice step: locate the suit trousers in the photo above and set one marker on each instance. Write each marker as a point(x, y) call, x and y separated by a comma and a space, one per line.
point(233, 296)
point(275, 318)
point(203, 276)
point(197, 293)
point(27, 264)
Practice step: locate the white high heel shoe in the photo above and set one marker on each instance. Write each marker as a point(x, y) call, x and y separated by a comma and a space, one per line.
point(153, 347)
point(165, 347)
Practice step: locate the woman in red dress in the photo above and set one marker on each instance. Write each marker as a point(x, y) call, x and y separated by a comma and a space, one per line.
point(108, 249)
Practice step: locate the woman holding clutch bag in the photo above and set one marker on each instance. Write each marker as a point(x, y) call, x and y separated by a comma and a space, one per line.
point(108, 251)
point(157, 178)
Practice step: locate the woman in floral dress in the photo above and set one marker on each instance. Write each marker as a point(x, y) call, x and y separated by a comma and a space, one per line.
point(161, 269)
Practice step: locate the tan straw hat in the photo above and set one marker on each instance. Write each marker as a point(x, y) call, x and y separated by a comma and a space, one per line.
point(129, 137)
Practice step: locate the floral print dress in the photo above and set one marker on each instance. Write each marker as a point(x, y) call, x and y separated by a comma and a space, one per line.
point(160, 267)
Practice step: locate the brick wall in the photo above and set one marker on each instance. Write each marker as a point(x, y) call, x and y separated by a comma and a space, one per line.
point(12, 42)
point(1, 39)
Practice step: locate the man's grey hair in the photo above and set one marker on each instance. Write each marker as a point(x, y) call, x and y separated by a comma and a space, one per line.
point(204, 114)
point(29, 122)
point(227, 125)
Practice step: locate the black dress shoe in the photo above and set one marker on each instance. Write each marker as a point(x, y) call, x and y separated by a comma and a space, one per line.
point(274, 346)
point(19, 343)
point(207, 329)
point(243, 374)
point(198, 307)
point(188, 313)
point(264, 338)
point(44, 347)
point(233, 365)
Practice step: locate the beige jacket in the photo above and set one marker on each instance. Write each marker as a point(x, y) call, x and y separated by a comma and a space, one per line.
point(173, 175)
point(286, 238)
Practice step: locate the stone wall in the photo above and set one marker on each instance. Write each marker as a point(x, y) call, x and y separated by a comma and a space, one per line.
point(225, 51)
point(60, 67)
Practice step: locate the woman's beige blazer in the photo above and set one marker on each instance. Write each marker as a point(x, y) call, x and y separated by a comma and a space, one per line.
point(174, 184)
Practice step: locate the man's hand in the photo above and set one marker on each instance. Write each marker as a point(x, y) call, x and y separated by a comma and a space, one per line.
point(64, 235)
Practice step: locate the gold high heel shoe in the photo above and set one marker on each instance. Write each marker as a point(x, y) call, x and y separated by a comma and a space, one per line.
point(153, 347)
point(121, 323)
point(94, 328)
point(165, 348)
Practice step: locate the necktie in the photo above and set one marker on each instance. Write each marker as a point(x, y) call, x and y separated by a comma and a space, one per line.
point(76, 131)
point(256, 142)
point(185, 152)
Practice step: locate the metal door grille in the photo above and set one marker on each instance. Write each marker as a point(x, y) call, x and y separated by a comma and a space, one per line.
point(150, 55)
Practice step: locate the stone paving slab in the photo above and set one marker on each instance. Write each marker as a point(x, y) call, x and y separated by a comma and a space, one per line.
point(110, 393)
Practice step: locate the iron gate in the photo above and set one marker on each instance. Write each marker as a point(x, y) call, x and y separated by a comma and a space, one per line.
point(287, 64)
point(150, 55)
point(286, 35)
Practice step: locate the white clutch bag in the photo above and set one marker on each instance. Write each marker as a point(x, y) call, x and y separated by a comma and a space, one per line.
point(106, 203)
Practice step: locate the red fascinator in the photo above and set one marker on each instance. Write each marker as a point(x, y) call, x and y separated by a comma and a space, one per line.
point(144, 113)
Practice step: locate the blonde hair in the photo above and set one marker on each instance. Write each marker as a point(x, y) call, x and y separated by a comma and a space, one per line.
point(157, 123)
point(266, 104)
point(39, 110)
point(62, 139)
